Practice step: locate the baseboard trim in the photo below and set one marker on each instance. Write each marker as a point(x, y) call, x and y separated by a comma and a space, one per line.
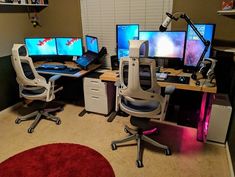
point(11, 108)
point(229, 160)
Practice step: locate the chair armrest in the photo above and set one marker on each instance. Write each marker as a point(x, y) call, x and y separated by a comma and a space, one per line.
point(54, 78)
point(52, 83)
point(117, 83)
point(169, 90)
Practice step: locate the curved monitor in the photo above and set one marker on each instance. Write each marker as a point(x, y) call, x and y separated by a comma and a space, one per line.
point(41, 46)
point(124, 33)
point(169, 44)
point(194, 46)
point(69, 46)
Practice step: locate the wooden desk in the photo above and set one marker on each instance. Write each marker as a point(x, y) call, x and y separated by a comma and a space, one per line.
point(70, 64)
point(113, 76)
point(206, 101)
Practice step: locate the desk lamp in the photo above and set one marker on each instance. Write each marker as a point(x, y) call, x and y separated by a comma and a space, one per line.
point(182, 15)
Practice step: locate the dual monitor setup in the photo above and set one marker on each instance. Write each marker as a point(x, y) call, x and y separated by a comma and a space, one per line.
point(60, 46)
point(183, 47)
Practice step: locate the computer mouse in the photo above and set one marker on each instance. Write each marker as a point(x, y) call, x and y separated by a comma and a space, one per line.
point(181, 78)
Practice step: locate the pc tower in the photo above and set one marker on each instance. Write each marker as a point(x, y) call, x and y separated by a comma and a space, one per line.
point(220, 118)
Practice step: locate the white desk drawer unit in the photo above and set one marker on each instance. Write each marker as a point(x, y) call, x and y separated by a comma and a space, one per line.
point(99, 96)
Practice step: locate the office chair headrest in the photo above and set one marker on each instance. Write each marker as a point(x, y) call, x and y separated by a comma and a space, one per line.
point(138, 48)
point(19, 50)
point(22, 51)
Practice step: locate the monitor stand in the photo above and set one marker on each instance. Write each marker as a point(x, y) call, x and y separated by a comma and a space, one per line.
point(75, 58)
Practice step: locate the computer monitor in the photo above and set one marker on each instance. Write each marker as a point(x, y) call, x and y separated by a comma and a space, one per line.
point(69, 46)
point(41, 46)
point(166, 45)
point(194, 45)
point(92, 44)
point(124, 33)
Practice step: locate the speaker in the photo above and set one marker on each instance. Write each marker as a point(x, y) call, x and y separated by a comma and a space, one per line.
point(114, 62)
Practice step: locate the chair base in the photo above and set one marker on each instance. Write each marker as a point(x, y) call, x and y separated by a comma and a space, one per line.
point(37, 116)
point(139, 136)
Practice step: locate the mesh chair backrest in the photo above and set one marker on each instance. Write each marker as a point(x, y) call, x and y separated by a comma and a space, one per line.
point(138, 78)
point(24, 68)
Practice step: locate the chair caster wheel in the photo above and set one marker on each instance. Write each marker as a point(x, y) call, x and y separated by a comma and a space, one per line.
point(139, 163)
point(17, 121)
point(30, 130)
point(58, 122)
point(125, 130)
point(113, 146)
point(167, 151)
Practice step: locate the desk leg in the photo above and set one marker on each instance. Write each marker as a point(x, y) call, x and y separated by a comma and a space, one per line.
point(82, 113)
point(204, 117)
point(114, 113)
point(112, 116)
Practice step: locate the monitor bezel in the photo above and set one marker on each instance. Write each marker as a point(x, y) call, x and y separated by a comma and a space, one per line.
point(41, 38)
point(128, 24)
point(190, 68)
point(69, 37)
point(170, 58)
point(97, 43)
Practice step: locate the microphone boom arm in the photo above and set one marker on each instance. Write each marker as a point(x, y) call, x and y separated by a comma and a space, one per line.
point(205, 42)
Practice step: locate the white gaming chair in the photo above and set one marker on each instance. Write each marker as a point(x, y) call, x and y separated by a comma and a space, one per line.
point(139, 96)
point(32, 86)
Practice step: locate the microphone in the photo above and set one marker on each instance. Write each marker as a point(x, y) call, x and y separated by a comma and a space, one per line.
point(166, 22)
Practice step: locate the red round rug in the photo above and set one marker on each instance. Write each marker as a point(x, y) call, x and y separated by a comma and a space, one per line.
point(57, 160)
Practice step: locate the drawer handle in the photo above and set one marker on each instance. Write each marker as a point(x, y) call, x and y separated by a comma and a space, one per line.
point(95, 97)
point(96, 90)
point(95, 82)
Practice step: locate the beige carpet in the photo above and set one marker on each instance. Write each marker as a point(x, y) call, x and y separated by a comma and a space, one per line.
point(189, 158)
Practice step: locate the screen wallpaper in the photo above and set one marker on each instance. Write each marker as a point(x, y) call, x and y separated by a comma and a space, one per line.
point(92, 44)
point(41, 46)
point(124, 34)
point(69, 46)
point(194, 46)
point(165, 44)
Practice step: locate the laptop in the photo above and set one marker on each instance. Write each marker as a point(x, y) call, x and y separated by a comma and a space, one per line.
point(92, 52)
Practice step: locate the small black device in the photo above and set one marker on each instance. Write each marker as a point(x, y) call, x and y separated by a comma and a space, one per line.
point(197, 83)
point(114, 62)
point(101, 54)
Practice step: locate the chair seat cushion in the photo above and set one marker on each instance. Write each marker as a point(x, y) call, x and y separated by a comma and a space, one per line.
point(32, 92)
point(140, 107)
